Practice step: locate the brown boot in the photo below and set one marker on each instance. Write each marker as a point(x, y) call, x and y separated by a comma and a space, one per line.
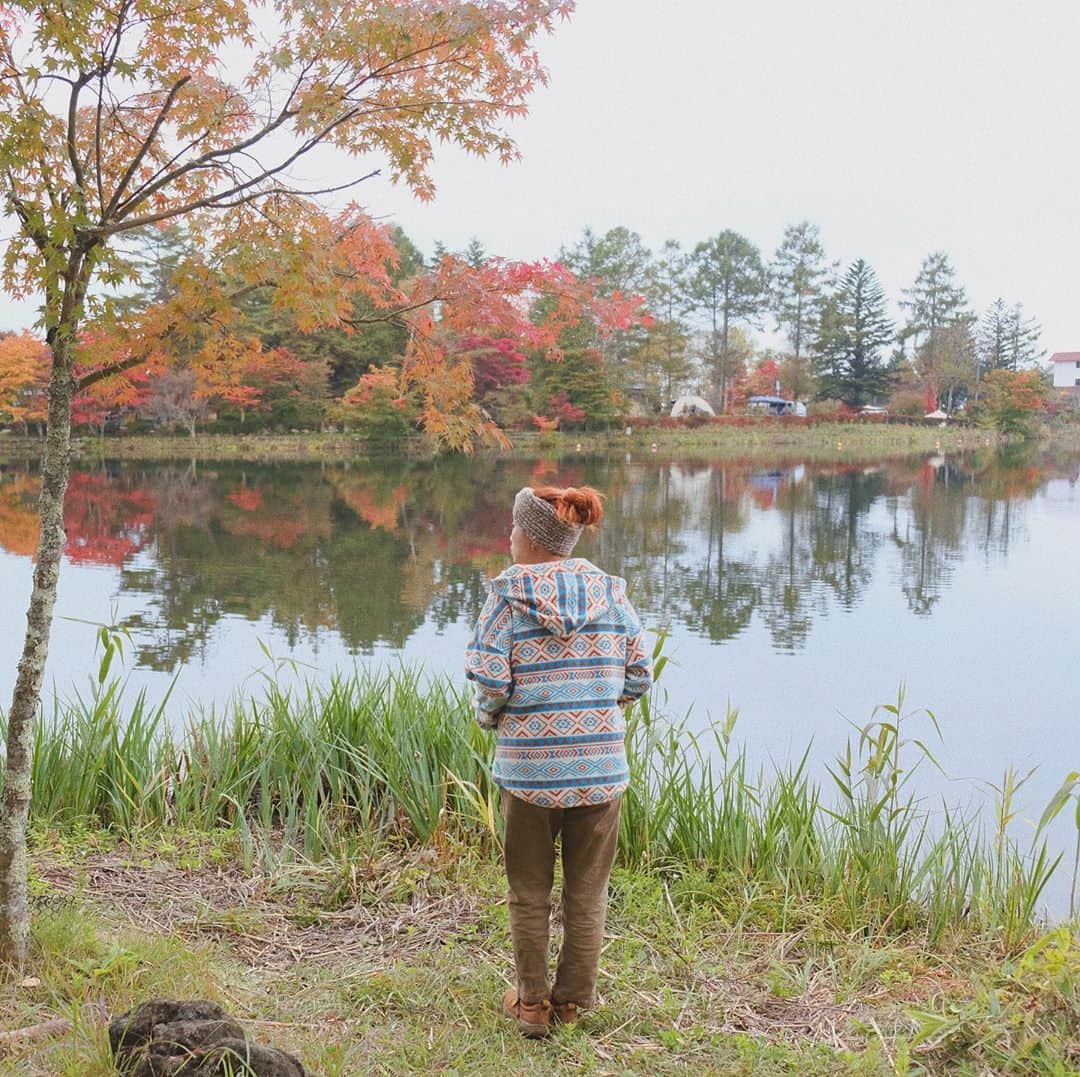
point(533, 1018)
point(564, 1013)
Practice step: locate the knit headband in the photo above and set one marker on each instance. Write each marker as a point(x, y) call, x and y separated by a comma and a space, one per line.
point(536, 517)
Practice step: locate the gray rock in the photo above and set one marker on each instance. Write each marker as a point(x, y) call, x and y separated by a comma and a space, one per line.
point(191, 1039)
point(178, 1037)
point(237, 1058)
point(131, 1031)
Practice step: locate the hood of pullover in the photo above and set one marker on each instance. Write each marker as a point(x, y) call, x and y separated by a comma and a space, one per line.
point(563, 596)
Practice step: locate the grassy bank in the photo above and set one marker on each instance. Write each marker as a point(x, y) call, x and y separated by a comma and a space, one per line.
point(325, 863)
point(764, 438)
point(769, 438)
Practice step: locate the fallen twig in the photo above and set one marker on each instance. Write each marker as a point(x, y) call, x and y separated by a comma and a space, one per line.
point(58, 1026)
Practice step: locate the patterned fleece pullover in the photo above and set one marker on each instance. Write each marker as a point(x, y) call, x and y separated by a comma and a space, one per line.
point(557, 651)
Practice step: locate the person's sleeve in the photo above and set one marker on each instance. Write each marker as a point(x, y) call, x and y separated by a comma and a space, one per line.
point(639, 676)
point(487, 660)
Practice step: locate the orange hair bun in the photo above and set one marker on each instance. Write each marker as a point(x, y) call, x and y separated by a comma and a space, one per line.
point(580, 505)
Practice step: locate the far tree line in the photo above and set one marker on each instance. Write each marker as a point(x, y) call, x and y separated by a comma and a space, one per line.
point(840, 343)
point(705, 304)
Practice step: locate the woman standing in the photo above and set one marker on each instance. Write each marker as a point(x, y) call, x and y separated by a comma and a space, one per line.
point(557, 654)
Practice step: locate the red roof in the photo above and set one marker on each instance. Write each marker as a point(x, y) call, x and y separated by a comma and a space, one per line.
point(1065, 357)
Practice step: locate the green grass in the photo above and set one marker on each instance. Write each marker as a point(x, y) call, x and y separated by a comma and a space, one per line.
point(769, 439)
point(324, 861)
point(394, 962)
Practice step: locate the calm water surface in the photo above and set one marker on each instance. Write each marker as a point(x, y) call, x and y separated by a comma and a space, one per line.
point(803, 594)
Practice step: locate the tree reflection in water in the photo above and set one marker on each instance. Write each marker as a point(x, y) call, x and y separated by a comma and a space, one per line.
point(374, 549)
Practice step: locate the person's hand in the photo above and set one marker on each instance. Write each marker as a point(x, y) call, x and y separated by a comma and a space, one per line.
point(487, 719)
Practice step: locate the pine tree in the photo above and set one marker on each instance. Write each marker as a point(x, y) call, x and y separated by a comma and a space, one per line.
point(797, 280)
point(993, 337)
point(1007, 340)
point(618, 260)
point(475, 254)
point(157, 255)
point(1022, 342)
point(854, 332)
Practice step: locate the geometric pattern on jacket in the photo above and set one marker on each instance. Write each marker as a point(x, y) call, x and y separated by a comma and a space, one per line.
point(557, 651)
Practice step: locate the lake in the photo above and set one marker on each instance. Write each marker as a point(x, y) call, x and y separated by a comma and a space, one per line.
point(803, 594)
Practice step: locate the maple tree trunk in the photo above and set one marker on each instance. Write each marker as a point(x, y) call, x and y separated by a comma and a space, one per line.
point(15, 803)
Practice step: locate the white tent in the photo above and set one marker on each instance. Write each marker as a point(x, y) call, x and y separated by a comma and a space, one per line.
point(691, 405)
point(936, 416)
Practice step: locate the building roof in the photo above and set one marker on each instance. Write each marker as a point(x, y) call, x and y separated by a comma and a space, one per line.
point(1065, 357)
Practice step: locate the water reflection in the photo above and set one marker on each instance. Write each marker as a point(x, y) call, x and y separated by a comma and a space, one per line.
point(372, 551)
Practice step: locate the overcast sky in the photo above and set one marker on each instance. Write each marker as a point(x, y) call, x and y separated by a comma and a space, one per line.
point(897, 126)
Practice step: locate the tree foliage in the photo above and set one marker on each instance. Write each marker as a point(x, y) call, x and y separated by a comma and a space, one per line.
point(797, 279)
point(24, 373)
point(1006, 339)
point(855, 329)
point(1009, 399)
point(116, 118)
point(728, 289)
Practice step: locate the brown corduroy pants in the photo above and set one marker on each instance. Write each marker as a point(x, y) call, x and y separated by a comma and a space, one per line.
point(589, 836)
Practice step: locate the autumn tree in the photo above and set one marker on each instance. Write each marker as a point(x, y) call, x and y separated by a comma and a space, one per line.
point(855, 329)
point(120, 116)
point(496, 364)
point(727, 284)
point(765, 379)
point(619, 263)
point(1009, 400)
point(111, 398)
point(24, 374)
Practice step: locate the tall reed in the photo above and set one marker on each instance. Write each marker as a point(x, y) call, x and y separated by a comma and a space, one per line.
point(319, 769)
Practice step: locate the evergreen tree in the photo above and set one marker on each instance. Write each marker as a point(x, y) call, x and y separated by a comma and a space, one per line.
point(933, 302)
point(1022, 341)
point(581, 378)
point(1006, 339)
point(475, 254)
point(618, 260)
point(727, 288)
point(157, 255)
point(797, 280)
point(855, 329)
point(993, 337)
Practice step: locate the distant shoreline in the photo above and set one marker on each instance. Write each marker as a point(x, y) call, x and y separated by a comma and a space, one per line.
point(825, 441)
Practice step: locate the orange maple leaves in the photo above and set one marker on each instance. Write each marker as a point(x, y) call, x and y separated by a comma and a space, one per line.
point(153, 126)
point(24, 370)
